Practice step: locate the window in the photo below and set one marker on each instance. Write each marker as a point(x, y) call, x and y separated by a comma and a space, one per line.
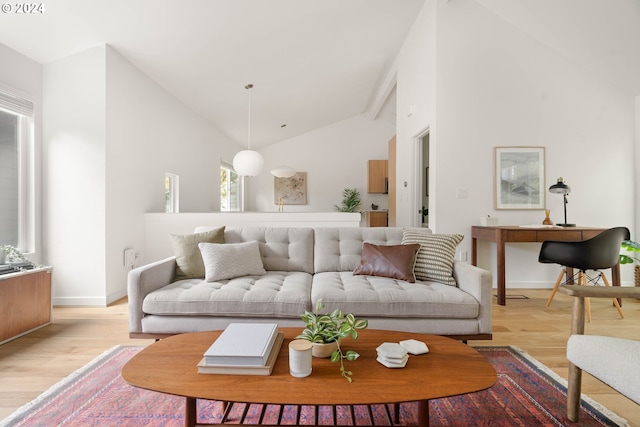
point(230, 189)
point(16, 171)
point(171, 193)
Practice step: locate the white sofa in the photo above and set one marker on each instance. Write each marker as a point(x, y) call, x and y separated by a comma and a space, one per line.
point(301, 266)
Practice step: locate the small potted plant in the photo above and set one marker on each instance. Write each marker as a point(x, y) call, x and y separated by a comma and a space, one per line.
point(350, 201)
point(327, 330)
point(631, 246)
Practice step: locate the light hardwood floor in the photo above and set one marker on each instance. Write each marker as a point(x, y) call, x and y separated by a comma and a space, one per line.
point(31, 364)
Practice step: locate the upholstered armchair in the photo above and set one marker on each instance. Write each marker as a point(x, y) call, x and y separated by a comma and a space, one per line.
point(594, 354)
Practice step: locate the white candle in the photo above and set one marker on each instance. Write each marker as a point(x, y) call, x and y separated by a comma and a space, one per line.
point(300, 358)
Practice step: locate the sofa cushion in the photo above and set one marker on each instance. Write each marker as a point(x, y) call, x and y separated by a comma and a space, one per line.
point(272, 295)
point(229, 260)
point(281, 248)
point(436, 255)
point(188, 257)
point(340, 248)
point(383, 297)
point(393, 261)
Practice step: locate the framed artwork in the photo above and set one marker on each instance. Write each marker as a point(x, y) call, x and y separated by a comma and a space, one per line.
point(290, 191)
point(519, 178)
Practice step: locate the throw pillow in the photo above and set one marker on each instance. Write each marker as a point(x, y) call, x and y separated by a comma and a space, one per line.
point(394, 261)
point(436, 255)
point(229, 260)
point(188, 257)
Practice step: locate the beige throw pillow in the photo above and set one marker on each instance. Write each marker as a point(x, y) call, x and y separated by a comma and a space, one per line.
point(434, 261)
point(188, 256)
point(230, 260)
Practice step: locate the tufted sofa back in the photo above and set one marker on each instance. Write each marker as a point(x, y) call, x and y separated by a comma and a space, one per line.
point(340, 248)
point(281, 249)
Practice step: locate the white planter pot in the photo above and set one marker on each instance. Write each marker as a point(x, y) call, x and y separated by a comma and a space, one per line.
point(323, 350)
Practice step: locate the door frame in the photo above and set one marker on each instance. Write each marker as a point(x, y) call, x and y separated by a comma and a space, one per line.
point(418, 167)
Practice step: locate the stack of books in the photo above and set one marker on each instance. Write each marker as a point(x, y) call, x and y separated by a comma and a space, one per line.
point(243, 349)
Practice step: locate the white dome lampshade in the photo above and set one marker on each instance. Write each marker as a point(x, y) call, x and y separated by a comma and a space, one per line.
point(283, 172)
point(248, 163)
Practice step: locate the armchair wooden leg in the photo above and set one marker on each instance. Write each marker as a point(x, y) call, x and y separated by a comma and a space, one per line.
point(555, 287)
point(615, 300)
point(573, 393)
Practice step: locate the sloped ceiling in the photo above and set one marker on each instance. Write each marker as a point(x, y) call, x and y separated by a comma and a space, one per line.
point(602, 36)
point(312, 62)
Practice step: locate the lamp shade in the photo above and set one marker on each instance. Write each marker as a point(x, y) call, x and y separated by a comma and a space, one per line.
point(560, 187)
point(248, 163)
point(283, 172)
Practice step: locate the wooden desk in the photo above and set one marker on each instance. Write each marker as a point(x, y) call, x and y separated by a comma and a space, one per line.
point(504, 234)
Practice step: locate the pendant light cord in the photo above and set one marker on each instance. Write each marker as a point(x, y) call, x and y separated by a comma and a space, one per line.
point(249, 87)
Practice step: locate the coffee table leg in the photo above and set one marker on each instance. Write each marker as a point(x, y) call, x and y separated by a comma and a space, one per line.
point(423, 413)
point(190, 414)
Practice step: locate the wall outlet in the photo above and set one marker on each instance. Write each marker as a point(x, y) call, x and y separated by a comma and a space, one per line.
point(463, 256)
point(129, 258)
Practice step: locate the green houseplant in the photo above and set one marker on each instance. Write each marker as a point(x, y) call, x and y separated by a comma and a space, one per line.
point(350, 201)
point(332, 328)
point(632, 247)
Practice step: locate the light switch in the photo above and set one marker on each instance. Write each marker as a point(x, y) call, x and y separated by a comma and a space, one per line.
point(462, 193)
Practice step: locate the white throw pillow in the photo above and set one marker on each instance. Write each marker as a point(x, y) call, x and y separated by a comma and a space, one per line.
point(228, 260)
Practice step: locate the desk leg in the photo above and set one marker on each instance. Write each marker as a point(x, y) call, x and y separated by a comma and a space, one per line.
point(474, 251)
point(500, 267)
point(190, 412)
point(423, 413)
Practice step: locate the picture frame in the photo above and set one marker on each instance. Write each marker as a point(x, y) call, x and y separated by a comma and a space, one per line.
point(519, 178)
point(290, 191)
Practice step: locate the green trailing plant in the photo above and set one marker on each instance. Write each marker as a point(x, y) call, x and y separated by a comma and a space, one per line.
point(351, 201)
point(331, 327)
point(629, 246)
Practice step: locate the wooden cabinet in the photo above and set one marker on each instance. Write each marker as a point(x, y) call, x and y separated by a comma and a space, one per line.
point(25, 302)
point(376, 218)
point(378, 176)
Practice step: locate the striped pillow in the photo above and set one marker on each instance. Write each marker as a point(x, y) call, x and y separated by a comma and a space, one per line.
point(435, 258)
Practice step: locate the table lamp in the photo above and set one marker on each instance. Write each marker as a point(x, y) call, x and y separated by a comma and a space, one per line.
point(561, 188)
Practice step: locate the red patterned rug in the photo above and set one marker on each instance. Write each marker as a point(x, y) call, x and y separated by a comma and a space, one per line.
point(525, 394)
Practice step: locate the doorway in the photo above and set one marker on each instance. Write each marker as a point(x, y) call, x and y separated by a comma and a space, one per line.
point(422, 201)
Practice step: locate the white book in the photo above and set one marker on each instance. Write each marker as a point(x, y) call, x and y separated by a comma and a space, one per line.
point(243, 344)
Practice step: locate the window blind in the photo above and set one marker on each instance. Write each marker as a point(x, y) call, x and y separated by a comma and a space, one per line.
point(15, 104)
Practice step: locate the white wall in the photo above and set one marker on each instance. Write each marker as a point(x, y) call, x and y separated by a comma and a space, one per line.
point(111, 134)
point(496, 86)
point(74, 171)
point(19, 73)
point(415, 68)
point(150, 132)
point(334, 157)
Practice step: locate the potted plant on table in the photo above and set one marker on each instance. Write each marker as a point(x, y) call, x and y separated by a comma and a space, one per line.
point(631, 246)
point(328, 330)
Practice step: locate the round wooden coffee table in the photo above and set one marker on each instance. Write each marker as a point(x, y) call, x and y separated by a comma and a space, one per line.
point(450, 368)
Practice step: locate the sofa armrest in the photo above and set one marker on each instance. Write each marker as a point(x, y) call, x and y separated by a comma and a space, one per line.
point(478, 283)
point(143, 280)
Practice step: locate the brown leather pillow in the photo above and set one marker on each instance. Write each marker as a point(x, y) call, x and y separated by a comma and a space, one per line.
point(395, 262)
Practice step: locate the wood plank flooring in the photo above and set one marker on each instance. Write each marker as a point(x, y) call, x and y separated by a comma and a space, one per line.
point(31, 364)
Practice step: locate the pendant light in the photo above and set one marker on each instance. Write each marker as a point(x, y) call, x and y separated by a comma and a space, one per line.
point(248, 162)
point(283, 172)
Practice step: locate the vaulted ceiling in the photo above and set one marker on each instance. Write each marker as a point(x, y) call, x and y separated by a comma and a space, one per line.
point(312, 62)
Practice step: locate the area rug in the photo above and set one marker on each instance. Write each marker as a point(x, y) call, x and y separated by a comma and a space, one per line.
point(525, 394)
